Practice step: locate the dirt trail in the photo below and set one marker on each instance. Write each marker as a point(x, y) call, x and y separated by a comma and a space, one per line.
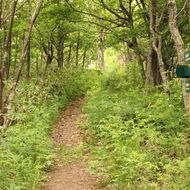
point(71, 176)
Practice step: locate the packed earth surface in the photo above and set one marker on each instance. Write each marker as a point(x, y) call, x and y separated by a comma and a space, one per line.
point(72, 175)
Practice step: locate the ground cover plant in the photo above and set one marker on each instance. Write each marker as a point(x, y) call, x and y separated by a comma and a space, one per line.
point(139, 138)
point(26, 149)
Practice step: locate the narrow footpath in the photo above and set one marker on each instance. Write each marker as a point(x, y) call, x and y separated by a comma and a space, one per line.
point(72, 175)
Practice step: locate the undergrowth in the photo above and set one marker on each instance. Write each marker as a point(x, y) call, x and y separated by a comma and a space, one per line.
point(138, 137)
point(25, 148)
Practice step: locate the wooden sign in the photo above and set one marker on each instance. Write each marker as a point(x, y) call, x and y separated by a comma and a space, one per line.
point(182, 71)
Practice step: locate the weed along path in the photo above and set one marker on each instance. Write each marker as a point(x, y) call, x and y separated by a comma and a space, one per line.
point(69, 172)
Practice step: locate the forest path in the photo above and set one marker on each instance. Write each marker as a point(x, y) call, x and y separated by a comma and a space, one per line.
point(71, 175)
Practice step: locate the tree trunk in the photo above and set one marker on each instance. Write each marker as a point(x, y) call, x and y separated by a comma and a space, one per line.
point(1, 14)
point(49, 53)
point(164, 76)
point(7, 44)
point(16, 53)
point(41, 60)
point(37, 64)
point(179, 44)
point(178, 41)
point(142, 70)
point(1, 99)
point(1, 70)
point(153, 76)
point(60, 52)
point(77, 50)
point(11, 93)
point(28, 50)
point(69, 55)
point(84, 58)
point(157, 42)
point(188, 9)
point(28, 60)
point(101, 50)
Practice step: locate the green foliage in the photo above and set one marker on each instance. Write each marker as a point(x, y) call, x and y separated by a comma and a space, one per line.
point(26, 149)
point(138, 137)
point(122, 79)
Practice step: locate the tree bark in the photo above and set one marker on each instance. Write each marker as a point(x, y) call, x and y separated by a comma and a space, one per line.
point(84, 58)
point(69, 55)
point(178, 41)
point(153, 76)
point(49, 53)
point(7, 44)
point(188, 9)
point(156, 40)
point(77, 50)
point(142, 70)
point(16, 52)
point(176, 36)
point(101, 50)
point(1, 14)
point(60, 51)
point(37, 64)
point(28, 50)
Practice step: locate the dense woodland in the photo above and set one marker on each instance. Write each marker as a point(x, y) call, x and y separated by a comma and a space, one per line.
point(122, 56)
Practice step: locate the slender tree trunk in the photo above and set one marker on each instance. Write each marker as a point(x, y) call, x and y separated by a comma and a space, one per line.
point(153, 76)
point(1, 54)
point(37, 65)
point(69, 55)
point(77, 50)
point(101, 50)
point(49, 53)
point(1, 14)
point(7, 44)
point(28, 50)
point(1, 99)
point(60, 52)
point(176, 36)
point(1, 71)
point(157, 43)
point(41, 60)
point(28, 61)
point(16, 53)
point(188, 9)
point(142, 70)
point(11, 93)
point(84, 58)
point(164, 76)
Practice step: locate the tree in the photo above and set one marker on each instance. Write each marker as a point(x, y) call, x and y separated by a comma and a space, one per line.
point(11, 93)
point(178, 41)
point(8, 40)
point(156, 41)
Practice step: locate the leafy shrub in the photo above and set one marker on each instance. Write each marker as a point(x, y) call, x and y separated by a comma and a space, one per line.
point(122, 79)
point(25, 148)
point(140, 138)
